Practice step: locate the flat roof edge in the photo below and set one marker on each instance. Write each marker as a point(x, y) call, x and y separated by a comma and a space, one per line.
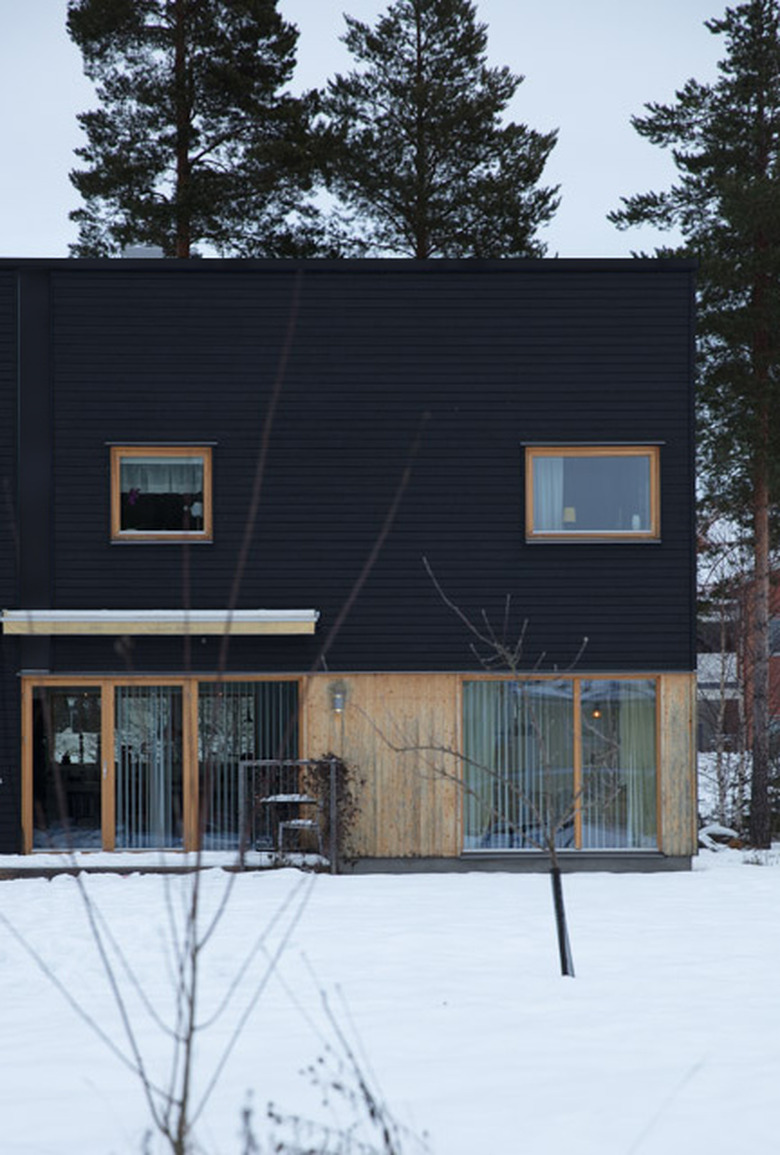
point(353, 264)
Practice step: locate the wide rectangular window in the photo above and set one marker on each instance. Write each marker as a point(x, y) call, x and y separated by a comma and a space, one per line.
point(161, 494)
point(592, 493)
point(566, 759)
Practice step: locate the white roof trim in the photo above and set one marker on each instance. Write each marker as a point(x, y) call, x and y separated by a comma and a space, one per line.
point(123, 622)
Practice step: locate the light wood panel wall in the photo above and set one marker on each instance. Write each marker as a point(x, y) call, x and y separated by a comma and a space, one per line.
point(395, 729)
point(677, 793)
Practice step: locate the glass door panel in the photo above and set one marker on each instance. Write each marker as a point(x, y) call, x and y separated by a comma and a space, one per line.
point(148, 755)
point(519, 764)
point(619, 764)
point(239, 725)
point(66, 768)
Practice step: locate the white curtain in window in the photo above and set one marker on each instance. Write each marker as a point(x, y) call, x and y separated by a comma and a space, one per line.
point(153, 475)
point(548, 493)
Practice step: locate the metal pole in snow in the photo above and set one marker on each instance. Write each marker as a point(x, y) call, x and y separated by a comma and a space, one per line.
point(564, 948)
point(333, 820)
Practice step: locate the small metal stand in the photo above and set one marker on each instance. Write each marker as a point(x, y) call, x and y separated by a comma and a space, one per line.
point(284, 805)
point(281, 802)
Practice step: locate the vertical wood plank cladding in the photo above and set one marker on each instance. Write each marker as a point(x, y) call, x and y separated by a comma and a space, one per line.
point(678, 764)
point(411, 802)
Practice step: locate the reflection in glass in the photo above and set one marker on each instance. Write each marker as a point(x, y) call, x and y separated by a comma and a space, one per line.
point(618, 763)
point(148, 738)
point(243, 722)
point(518, 773)
point(161, 494)
point(66, 767)
point(589, 493)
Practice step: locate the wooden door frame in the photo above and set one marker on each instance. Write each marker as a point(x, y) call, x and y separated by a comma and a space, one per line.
point(107, 684)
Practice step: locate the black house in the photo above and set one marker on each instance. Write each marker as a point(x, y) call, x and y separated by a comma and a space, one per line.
point(433, 517)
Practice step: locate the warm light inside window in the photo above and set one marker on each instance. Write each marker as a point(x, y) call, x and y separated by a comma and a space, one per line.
point(592, 492)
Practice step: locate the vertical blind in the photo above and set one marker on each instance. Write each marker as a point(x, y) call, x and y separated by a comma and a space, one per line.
point(518, 741)
point(618, 763)
point(148, 738)
point(520, 772)
point(240, 722)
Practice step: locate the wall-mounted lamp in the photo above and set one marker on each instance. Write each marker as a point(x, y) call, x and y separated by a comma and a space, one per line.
point(338, 697)
point(569, 515)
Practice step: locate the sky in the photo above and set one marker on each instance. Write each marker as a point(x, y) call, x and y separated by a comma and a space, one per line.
point(589, 65)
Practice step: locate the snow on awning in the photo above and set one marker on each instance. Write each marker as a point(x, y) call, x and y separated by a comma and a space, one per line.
point(159, 621)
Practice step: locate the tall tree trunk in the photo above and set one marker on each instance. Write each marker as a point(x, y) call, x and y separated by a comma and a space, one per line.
point(422, 239)
point(760, 817)
point(183, 240)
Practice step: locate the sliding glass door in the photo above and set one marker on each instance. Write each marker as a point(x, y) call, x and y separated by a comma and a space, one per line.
point(149, 799)
point(241, 725)
point(572, 759)
point(145, 763)
point(66, 768)
point(618, 763)
point(519, 772)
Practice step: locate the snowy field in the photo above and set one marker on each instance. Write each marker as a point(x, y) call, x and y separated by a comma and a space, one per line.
point(667, 1041)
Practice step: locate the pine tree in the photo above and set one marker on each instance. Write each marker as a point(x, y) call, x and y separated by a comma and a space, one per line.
point(420, 156)
point(726, 141)
point(196, 140)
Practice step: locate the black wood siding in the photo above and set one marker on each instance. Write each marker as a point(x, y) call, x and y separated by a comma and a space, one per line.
point(7, 436)
point(9, 656)
point(472, 359)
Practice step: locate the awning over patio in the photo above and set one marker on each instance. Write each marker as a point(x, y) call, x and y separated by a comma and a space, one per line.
point(123, 622)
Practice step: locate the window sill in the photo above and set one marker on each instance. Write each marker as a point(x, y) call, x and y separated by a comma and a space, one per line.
point(162, 539)
point(594, 539)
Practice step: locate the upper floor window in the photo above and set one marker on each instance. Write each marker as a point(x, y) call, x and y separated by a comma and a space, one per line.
point(160, 493)
point(582, 493)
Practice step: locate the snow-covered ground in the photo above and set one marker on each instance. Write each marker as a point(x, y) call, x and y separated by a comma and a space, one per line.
point(666, 1042)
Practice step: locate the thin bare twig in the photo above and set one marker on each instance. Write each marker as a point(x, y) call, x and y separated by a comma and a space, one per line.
point(254, 999)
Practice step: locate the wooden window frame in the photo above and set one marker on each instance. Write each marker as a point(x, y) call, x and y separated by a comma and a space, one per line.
point(124, 536)
point(107, 684)
point(576, 681)
point(650, 452)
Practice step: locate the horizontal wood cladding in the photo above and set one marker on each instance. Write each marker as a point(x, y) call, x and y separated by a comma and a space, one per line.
point(10, 815)
point(8, 426)
point(381, 368)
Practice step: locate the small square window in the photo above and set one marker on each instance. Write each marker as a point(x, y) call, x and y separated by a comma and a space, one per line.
point(586, 493)
point(160, 494)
